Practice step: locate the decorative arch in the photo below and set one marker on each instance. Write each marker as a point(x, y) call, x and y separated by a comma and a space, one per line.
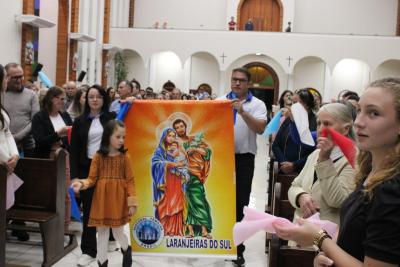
point(351, 74)
point(126, 52)
point(263, 78)
point(308, 57)
point(204, 52)
point(388, 68)
point(242, 18)
point(311, 71)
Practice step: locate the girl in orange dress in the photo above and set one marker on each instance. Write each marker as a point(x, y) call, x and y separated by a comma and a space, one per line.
point(114, 199)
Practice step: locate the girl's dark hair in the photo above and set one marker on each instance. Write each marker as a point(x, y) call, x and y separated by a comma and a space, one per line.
point(1, 91)
point(103, 93)
point(282, 100)
point(306, 97)
point(109, 129)
point(76, 104)
point(54, 91)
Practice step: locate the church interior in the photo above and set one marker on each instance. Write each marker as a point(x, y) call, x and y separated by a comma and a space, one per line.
point(327, 45)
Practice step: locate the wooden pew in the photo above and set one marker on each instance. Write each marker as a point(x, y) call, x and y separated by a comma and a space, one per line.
point(3, 187)
point(281, 207)
point(285, 181)
point(41, 200)
point(284, 256)
point(279, 254)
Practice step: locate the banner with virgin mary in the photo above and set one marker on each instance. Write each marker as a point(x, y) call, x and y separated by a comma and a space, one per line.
point(183, 162)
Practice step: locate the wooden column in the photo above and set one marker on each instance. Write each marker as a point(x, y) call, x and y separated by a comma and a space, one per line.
point(27, 36)
point(131, 12)
point(62, 42)
point(106, 40)
point(73, 44)
point(398, 19)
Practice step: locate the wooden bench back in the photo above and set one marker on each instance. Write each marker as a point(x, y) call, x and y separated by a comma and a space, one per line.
point(43, 188)
point(3, 187)
point(284, 256)
point(281, 255)
point(286, 182)
point(281, 207)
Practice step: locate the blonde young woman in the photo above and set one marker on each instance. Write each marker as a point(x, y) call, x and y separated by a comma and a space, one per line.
point(370, 217)
point(327, 177)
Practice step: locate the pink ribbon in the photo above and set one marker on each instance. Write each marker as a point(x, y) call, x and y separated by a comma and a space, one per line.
point(255, 221)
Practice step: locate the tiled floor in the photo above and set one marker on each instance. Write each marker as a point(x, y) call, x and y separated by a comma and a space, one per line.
point(254, 254)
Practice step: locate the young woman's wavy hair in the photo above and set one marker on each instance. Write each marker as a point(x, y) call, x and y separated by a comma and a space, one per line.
point(391, 164)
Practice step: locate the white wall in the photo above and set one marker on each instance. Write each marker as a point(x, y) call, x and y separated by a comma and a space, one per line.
point(10, 45)
point(309, 72)
point(188, 14)
point(350, 74)
point(204, 69)
point(344, 17)
point(165, 66)
point(48, 38)
point(390, 68)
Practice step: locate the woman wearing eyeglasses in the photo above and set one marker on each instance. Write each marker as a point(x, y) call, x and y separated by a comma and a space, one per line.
point(85, 141)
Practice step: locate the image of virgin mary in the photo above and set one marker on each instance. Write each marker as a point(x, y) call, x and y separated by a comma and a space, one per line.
point(168, 186)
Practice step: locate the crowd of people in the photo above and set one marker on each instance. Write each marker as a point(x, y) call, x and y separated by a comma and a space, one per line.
point(363, 200)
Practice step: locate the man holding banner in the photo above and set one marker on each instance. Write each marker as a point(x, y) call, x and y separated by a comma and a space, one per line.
point(250, 116)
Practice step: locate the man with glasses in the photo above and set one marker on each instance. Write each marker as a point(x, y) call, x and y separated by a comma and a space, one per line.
point(21, 104)
point(250, 119)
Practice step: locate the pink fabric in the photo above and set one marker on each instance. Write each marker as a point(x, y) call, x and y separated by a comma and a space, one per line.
point(13, 183)
point(255, 221)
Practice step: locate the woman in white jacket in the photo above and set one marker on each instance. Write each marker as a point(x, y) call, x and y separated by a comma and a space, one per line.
point(327, 177)
point(8, 148)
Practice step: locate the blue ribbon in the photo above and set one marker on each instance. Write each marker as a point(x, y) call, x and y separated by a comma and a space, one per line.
point(232, 96)
point(123, 111)
point(273, 125)
point(75, 212)
point(45, 79)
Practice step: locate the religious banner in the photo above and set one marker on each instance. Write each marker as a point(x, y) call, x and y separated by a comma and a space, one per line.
point(183, 162)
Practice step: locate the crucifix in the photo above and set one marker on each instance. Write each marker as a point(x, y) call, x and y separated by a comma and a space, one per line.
point(289, 59)
point(223, 58)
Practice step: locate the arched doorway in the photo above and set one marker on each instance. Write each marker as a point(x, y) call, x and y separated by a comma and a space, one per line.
point(266, 15)
point(264, 83)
